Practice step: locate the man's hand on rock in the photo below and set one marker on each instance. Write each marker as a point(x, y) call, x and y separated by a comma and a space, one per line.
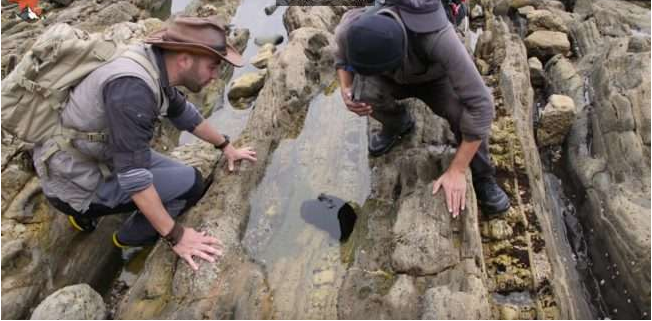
point(197, 244)
point(454, 184)
point(233, 155)
point(360, 108)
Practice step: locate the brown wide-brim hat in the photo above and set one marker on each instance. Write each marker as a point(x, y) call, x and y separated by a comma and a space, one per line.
point(196, 35)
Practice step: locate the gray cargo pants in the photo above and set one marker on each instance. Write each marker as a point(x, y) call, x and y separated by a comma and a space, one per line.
point(179, 186)
point(382, 92)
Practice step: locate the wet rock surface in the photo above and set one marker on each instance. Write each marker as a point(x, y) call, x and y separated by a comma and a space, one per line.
point(41, 251)
point(405, 256)
point(608, 152)
point(235, 287)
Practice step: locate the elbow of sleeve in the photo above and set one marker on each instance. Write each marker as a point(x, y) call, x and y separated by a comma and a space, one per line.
point(189, 119)
point(135, 180)
point(475, 126)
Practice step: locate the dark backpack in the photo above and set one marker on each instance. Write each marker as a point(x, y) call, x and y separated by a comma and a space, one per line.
point(456, 10)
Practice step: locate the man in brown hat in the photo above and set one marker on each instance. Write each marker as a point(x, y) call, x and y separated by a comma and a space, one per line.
point(125, 98)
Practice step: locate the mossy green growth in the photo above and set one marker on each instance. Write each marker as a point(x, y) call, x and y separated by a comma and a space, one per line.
point(505, 146)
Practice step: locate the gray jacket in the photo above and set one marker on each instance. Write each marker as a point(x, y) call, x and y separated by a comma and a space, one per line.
point(73, 178)
point(435, 56)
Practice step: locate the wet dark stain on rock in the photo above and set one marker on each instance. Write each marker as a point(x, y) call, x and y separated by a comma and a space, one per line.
point(331, 214)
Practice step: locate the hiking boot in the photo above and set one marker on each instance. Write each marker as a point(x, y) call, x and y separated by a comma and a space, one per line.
point(493, 200)
point(82, 223)
point(381, 143)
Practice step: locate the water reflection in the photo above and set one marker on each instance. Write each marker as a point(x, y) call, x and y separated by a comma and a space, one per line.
point(250, 15)
point(331, 214)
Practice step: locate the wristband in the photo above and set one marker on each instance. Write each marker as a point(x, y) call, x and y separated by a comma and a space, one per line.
point(174, 236)
point(226, 142)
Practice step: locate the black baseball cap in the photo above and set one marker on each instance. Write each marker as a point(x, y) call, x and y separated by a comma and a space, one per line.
point(421, 16)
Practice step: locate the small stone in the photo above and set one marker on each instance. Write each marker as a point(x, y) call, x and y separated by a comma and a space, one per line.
point(509, 313)
point(276, 39)
point(269, 10)
point(19, 228)
point(483, 66)
point(602, 282)
point(477, 12)
point(523, 11)
point(247, 85)
point(556, 120)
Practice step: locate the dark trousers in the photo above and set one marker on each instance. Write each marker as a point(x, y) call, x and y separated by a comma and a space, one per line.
point(179, 186)
point(382, 92)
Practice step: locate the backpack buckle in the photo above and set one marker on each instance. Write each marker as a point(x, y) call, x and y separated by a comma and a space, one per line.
point(96, 137)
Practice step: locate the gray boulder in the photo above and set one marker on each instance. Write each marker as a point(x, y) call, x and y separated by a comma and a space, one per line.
point(247, 85)
point(545, 20)
point(74, 302)
point(544, 44)
point(556, 120)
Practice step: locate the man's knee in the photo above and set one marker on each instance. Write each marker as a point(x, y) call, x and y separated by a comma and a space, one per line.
point(195, 192)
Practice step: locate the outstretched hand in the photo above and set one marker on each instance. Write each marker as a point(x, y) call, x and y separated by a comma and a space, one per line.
point(360, 108)
point(195, 244)
point(233, 155)
point(454, 184)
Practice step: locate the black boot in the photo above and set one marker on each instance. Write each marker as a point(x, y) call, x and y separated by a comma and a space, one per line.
point(492, 198)
point(83, 223)
point(381, 143)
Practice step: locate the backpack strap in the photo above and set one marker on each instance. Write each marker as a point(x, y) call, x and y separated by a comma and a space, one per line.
point(153, 72)
point(144, 62)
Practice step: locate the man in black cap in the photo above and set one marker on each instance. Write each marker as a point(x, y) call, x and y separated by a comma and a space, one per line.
point(409, 49)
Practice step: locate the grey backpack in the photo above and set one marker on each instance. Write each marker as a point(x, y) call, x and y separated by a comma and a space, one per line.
point(36, 91)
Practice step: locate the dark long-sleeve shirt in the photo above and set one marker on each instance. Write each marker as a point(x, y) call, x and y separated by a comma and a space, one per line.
point(132, 113)
point(434, 56)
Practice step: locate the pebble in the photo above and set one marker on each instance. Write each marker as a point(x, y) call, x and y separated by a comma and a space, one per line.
point(269, 10)
point(274, 39)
